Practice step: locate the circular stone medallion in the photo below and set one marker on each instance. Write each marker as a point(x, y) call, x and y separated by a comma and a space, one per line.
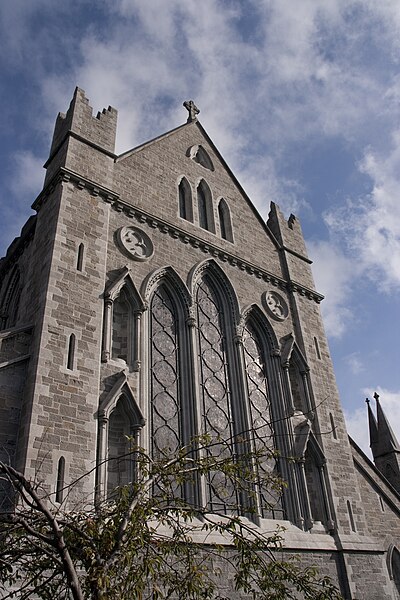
point(275, 305)
point(135, 242)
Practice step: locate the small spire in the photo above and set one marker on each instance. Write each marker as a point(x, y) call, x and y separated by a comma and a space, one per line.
point(193, 110)
point(387, 438)
point(373, 428)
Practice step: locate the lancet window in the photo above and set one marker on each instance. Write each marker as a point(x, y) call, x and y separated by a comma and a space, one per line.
point(218, 410)
point(166, 433)
point(225, 223)
point(205, 207)
point(185, 200)
point(120, 421)
point(121, 439)
point(121, 329)
point(261, 422)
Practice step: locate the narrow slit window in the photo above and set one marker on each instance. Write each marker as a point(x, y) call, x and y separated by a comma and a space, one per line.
point(60, 480)
point(317, 348)
point(79, 260)
point(351, 517)
point(71, 352)
point(333, 426)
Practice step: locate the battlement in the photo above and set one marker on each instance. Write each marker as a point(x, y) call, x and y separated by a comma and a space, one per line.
point(79, 119)
point(288, 232)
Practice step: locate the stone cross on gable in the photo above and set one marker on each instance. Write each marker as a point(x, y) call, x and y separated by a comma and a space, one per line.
point(193, 110)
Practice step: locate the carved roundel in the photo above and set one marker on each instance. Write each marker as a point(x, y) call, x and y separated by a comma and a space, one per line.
point(275, 305)
point(135, 242)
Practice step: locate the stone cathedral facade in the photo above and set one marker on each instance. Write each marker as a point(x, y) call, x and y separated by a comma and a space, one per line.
point(148, 298)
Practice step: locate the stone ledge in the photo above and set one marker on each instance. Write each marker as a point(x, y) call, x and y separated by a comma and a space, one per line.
point(110, 197)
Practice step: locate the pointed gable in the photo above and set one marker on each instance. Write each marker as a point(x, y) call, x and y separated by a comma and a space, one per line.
point(148, 178)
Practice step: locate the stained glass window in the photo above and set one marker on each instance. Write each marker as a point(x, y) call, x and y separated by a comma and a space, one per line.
point(165, 414)
point(261, 422)
point(218, 420)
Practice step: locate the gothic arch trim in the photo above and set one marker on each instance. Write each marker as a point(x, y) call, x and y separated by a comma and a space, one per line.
point(120, 393)
point(121, 388)
point(175, 285)
point(124, 279)
point(220, 280)
point(136, 308)
point(291, 351)
point(254, 314)
point(392, 553)
point(201, 156)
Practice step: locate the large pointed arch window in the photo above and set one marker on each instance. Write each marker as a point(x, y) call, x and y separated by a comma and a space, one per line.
point(166, 430)
point(219, 413)
point(261, 423)
point(171, 415)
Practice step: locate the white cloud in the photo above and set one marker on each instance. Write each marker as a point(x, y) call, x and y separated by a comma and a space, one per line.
point(334, 276)
point(357, 428)
point(354, 362)
point(370, 226)
point(28, 175)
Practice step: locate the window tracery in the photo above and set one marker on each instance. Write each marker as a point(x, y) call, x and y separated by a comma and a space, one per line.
point(261, 427)
point(217, 409)
point(166, 436)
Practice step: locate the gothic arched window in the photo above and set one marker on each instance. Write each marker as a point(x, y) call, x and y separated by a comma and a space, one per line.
point(261, 421)
point(121, 437)
point(205, 207)
point(219, 412)
point(10, 302)
point(185, 200)
point(121, 330)
point(120, 420)
point(166, 432)
point(225, 220)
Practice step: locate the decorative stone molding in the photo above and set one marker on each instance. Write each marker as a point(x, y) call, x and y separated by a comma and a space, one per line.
point(117, 204)
point(201, 156)
point(275, 305)
point(170, 275)
point(135, 243)
point(211, 267)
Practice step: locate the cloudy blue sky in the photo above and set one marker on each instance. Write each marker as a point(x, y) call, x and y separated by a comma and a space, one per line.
point(302, 97)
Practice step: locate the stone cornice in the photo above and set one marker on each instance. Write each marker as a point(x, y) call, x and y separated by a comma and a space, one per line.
point(78, 137)
point(65, 175)
point(297, 254)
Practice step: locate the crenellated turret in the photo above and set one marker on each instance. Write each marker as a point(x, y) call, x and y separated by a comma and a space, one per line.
point(78, 126)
